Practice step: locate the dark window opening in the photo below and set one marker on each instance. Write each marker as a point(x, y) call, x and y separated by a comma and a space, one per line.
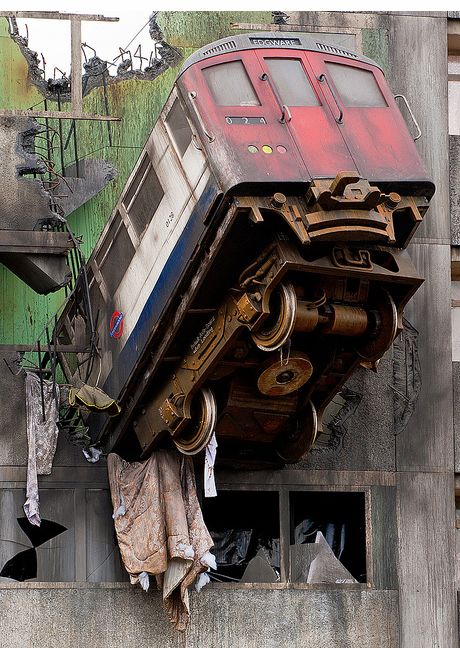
point(143, 197)
point(246, 533)
point(230, 85)
point(118, 253)
point(179, 127)
point(357, 87)
point(292, 83)
point(340, 520)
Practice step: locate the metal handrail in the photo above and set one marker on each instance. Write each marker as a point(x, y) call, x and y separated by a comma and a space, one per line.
point(323, 78)
point(192, 96)
point(284, 109)
point(411, 114)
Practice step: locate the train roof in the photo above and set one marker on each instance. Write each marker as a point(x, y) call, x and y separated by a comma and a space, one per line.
point(270, 40)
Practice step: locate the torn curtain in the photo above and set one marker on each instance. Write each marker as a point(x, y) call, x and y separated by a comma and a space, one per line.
point(159, 525)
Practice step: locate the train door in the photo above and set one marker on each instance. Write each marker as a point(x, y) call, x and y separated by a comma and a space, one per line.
point(366, 113)
point(304, 109)
point(238, 114)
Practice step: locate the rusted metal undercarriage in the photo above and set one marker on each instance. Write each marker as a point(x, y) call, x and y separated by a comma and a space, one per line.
point(324, 295)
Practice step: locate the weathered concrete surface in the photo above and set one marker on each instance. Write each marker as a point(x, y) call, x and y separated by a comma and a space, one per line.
point(456, 398)
point(454, 183)
point(127, 618)
point(368, 441)
point(24, 201)
point(93, 176)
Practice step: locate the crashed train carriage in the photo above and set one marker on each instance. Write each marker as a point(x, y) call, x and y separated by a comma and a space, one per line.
point(256, 255)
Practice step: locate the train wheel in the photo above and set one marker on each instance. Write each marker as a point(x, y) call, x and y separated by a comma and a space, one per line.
point(293, 446)
point(386, 326)
point(278, 327)
point(281, 378)
point(195, 437)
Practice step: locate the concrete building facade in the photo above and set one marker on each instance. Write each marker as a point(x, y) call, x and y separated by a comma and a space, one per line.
point(394, 452)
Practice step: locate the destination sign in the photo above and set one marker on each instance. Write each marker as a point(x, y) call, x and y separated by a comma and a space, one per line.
point(275, 42)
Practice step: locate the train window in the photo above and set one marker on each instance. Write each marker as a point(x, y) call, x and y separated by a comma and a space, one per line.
point(292, 82)
point(230, 85)
point(143, 196)
point(178, 125)
point(357, 87)
point(118, 255)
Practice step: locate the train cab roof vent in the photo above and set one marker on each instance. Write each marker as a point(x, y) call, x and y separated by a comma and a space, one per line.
point(219, 49)
point(335, 50)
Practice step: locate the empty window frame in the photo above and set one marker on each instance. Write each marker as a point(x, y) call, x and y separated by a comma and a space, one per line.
point(244, 525)
point(178, 126)
point(357, 87)
point(292, 82)
point(252, 544)
point(143, 196)
point(115, 254)
point(230, 85)
point(340, 520)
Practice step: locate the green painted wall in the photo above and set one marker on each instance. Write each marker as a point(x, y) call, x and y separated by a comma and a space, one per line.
point(23, 313)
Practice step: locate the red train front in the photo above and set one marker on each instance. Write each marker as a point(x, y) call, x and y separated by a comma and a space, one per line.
point(276, 111)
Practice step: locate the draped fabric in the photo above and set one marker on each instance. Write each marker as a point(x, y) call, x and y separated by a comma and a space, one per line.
point(42, 435)
point(160, 527)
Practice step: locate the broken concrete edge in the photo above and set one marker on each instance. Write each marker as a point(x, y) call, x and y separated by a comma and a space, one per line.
point(96, 70)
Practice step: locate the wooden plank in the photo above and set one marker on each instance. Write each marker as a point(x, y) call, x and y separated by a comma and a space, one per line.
point(57, 114)
point(75, 66)
point(57, 15)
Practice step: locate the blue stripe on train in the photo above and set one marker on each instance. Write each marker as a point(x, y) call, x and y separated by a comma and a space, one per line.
point(170, 276)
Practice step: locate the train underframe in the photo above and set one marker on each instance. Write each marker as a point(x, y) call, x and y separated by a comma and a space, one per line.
point(297, 294)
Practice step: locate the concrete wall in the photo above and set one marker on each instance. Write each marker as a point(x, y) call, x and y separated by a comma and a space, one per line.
point(409, 477)
point(116, 617)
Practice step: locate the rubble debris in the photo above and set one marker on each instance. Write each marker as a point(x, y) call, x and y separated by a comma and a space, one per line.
point(96, 71)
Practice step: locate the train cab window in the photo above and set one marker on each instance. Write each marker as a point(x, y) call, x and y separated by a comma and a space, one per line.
point(115, 254)
point(292, 82)
point(357, 87)
point(177, 124)
point(230, 85)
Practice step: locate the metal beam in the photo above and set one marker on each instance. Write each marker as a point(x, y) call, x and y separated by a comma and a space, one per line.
point(56, 114)
point(30, 348)
point(57, 15)
point(34, 242)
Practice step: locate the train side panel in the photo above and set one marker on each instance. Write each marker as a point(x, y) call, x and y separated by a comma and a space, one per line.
point(149, 241)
